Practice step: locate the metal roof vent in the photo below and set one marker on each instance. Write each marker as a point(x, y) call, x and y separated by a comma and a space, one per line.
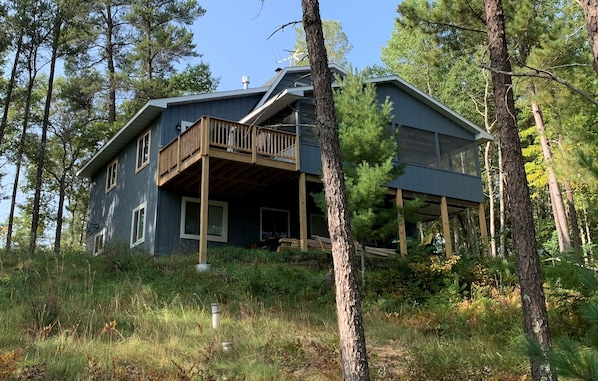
point(245, 81)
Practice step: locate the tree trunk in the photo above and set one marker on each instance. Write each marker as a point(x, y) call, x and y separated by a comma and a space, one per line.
point(502, 205)
point(573, 217)
point(489, 169)
point(491, 202)
point(348, 303)
point(109, 48)
point(13, 199)
point(32, 71)
point(558, 208)
point(528, 262)
point(590, 10)
point(59, 214)
point(43, 141)
point(9, 89)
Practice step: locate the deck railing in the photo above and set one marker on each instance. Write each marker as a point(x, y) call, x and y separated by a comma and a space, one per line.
point(224, 135)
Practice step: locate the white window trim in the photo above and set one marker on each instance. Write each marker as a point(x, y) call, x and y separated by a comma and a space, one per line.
point(213, 238)
point(142, 238)
point(101, 233)
point(139, 166)
point(288, 212)
point(111, 184)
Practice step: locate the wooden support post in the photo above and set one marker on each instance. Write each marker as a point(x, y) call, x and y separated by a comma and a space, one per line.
point(446, 227)
point(401, 219)
point(253, 144)
point(302, 212)
point(178, 154)
point(483, 228)
point(203, 209)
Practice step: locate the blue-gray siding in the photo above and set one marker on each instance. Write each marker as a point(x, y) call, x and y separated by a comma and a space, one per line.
point(411, 112)
point(113, 210)
point(243, 217)
point(227, 108)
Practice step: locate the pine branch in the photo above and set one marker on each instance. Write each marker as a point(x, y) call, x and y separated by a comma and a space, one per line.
point(545, 74)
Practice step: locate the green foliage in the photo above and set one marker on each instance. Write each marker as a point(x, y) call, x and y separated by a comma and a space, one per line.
point(335, 40)
point(368, 148)
point(573, 294)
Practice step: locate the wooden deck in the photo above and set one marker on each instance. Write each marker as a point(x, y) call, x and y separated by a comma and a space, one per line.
point(230, 141)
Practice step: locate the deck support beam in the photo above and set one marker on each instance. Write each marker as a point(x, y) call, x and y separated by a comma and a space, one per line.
point(401, 220)
point(446, 227)
point(203, 209)
point(302, 212)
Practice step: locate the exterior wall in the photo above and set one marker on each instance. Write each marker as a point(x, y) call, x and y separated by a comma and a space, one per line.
point(410, 112)
point(230, 108)
point(243, 217)
point(113, 211)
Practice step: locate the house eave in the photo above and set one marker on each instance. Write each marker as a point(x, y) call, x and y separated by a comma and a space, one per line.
point(141, 121)
point(481, 136)
point(272, 106)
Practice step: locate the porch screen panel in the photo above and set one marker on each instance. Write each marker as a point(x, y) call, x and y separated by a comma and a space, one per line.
point(307, 120)
point(457, 155)
point(417, 147)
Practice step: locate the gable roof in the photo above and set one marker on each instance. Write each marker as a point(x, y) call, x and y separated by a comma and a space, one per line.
point(142, 120)
point(481, 136)
point(270, 103)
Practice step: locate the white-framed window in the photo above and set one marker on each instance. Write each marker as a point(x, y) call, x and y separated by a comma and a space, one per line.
point(274, 223)
point(111, 174)
point(143, 151)
point(138, 225)
point(217, 219)
point(98, 242)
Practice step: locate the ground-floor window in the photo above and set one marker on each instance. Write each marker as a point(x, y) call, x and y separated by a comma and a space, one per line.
point(138, 225)
point(98, 242)
point(274, 223)
point(217, 219)
point(318, 225)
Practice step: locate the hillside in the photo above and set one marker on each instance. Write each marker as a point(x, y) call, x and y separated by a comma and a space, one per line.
point(129, 316)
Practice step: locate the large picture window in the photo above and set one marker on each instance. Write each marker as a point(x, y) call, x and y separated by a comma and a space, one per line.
point(274, 223)
point(111, 174)
point(138, 225)
point(143, 151)
point(217, 219)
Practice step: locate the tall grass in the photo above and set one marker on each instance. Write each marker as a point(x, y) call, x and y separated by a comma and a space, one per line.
point(129, 316)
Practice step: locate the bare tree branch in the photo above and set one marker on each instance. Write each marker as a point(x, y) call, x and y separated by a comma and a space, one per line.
point(545, 74)
point(282, 28)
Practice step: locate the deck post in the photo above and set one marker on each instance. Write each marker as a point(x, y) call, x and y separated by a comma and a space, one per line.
point(302, 212)
point(203, 209)
point(401, 220)
point(446, 227)
point(483, 228)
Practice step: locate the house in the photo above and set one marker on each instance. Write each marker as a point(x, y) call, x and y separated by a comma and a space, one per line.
point(237, 167)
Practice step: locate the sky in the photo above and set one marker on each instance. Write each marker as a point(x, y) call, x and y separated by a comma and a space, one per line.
point(233, 36)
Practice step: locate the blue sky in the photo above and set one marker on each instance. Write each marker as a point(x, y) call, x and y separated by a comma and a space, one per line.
point(233, 35)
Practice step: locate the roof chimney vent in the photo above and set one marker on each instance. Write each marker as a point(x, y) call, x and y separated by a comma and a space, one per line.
point(245, 81)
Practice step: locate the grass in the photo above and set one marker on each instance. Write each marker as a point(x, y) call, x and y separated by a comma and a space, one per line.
point(129, 316)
